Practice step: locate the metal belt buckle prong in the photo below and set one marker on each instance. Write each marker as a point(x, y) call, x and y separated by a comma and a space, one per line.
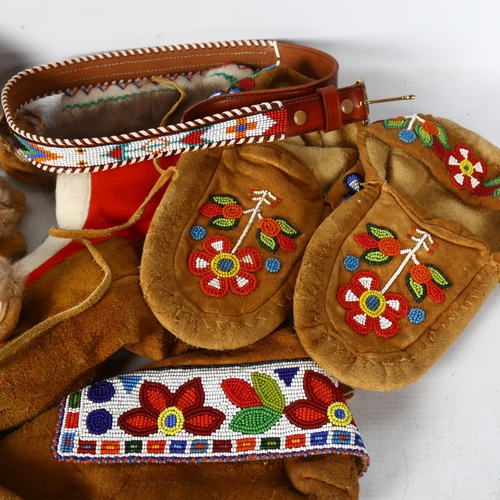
point(366, 102)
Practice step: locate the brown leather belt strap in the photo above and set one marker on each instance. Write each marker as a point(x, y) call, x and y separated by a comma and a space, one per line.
point(274, 114)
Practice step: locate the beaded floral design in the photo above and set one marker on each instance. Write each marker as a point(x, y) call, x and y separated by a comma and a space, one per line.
point(325, 404)
point(222, 269)
point(257, 411)
point(224, 211)
point(225, 267)
point(430, 134)
point(381, 243)
point(426, 280)
point(276, 232)
point(466, 171)
point(242, 85)
point(170, 413)
point(261, 403)
point(370, 309)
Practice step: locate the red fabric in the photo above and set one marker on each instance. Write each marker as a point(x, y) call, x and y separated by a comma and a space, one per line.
point(115, 196)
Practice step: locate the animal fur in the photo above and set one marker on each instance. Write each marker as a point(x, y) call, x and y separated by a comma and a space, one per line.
point(11, 280)
point(101, 112)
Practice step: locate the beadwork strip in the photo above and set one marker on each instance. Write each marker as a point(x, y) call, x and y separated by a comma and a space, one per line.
point(227, 413)
point(268, 123)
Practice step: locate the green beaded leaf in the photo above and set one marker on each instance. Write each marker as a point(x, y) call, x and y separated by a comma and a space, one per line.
point(426, 138)
point(221, 222)
point(287, 228)
point(268, 391)
point(379, 232)
point(223, 199)
point(417, 290)
point(254, 420)
point(439, 277)
point(442, 137)
point(375, 257)
point(493, 182)
point(267, 242)
point(395, 124)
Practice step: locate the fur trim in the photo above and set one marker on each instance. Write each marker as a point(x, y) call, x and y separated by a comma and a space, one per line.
point(124, 108)
point(12, 280)
point(6, 195)
point(8, 215)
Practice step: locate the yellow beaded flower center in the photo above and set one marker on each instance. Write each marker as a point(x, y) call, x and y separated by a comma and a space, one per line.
point(171, 421)
point(225, 265)
point(339, 414)
point(372, 303)
point(466, 167)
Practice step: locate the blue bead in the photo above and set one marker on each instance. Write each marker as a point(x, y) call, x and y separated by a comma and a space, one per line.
point(99, 421)
point(272, 265)
point(101, 392)
point(416, 315)
point(197, 233)
point(340, 414)
point(225, 265)
point(351, 263)
point(407, 136)
point(352, 182)
point(372, 302)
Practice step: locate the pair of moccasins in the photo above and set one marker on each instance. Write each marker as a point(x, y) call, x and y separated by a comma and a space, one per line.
point(385, 283)
point(244, 238)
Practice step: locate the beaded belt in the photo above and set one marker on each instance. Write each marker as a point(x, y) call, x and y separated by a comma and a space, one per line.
point(251, 116)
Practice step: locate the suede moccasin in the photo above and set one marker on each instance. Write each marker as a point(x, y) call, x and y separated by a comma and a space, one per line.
point(393, 276)
point(225, 244)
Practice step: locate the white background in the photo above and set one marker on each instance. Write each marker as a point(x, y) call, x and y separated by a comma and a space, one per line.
point(440, 437)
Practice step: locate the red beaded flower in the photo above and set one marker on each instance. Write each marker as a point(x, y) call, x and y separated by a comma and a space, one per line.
point(466, 171)
point(325, 404)
point(222, 270)
point(370, 309)
point(224, 211)
point(276, 232)
point(381, 244)
point(427, 280)
point(170, 413)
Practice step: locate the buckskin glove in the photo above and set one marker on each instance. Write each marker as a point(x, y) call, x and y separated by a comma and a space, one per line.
point(394, 275)
point(73, 318)
point(259, 422)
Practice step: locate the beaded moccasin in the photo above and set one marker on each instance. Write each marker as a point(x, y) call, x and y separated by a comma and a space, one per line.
point(393, 276)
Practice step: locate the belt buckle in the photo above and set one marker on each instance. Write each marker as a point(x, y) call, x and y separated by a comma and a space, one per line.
point(366, 102)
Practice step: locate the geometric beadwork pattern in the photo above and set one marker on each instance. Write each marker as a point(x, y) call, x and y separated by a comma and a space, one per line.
point(184, 137)
point(226, 413)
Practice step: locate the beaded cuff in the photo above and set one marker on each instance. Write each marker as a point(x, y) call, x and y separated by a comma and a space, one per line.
point(229, 413)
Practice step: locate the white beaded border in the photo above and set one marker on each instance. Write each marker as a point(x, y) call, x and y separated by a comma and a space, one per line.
point(165, 132)
point(224, 372)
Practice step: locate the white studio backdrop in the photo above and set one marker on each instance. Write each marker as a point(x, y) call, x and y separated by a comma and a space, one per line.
point(440, 437)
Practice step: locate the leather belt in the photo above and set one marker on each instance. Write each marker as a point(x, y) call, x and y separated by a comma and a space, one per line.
point(274, 114)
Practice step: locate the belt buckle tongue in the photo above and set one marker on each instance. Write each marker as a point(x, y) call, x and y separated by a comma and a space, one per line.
point(366, 102)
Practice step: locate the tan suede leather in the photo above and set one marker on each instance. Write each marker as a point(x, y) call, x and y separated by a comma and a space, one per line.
point(419, 245)
point(321, 477)
point(37, 369)
point(179, 293)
